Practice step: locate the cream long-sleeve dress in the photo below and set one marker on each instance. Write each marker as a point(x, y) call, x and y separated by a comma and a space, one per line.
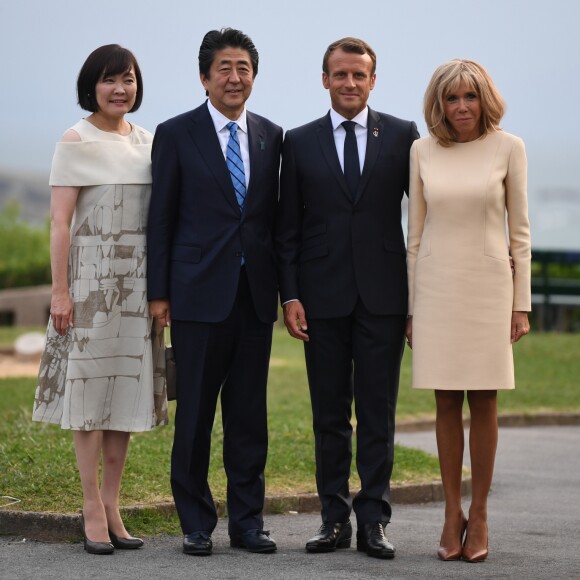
point(461, 289)
point(108, 372)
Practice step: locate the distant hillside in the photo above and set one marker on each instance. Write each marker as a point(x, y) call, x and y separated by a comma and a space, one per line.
point(554, 211)
point(30, 190)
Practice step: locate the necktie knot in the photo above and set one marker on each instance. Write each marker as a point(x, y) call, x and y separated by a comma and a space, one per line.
point(232, 128)
point(349, 126)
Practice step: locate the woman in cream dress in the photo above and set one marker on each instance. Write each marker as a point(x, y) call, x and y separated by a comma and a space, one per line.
point(102, 372)
point(466, 305)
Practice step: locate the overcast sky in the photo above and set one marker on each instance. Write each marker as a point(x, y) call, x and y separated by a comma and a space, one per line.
point(530, 47)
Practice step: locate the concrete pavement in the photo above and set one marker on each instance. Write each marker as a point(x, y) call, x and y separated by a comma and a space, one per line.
point(534, 520)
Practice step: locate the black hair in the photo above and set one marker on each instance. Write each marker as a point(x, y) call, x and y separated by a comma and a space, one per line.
point(111, 59)
point(216, 40)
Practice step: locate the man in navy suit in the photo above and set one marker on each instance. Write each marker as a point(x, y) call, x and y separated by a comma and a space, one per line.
point(343, 285)
point(211, 273)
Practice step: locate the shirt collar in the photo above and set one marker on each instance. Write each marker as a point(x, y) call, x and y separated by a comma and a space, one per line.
point(220, 120)
point(361, 119)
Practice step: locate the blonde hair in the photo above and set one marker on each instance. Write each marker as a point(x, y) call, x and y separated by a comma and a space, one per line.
point(447, 79)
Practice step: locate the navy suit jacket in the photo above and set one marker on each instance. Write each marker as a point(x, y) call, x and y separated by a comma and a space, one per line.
point(196, 233)
point(333, 249)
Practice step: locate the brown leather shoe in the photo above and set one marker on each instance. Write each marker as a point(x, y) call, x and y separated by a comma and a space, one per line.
point(330, 537)
point(448, 554)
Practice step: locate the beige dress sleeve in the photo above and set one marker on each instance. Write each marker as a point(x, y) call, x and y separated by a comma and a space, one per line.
point(519, 225)
point(417, 214)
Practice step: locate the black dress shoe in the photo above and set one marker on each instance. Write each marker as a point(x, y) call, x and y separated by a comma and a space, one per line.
point(99, 548)
point(197, 544)
point(258, 541)
point(373, 541)
point(125, 543)
point(330, 537)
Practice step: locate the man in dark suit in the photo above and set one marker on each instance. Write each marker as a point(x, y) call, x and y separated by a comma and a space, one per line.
point(343, 285)
point(211, 273)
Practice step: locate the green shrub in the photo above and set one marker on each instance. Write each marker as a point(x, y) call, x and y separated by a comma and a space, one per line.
point(25, 256)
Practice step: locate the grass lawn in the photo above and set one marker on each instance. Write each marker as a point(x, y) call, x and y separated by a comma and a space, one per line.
point(8, 334)
point(37, 463)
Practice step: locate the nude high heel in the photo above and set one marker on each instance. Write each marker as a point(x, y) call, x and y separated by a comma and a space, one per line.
point(448, 554)
point(474, 555)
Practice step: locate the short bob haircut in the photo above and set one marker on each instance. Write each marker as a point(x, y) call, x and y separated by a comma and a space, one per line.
point(447, 79)
point(110, 59)
point(352, 45)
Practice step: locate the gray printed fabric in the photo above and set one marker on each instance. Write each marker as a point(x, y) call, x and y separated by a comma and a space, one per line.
point(108, 372)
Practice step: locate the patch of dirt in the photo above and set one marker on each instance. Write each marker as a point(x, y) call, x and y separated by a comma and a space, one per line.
point(12, 366)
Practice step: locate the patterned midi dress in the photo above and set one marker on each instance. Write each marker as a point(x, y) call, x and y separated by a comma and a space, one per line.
point(108, 372)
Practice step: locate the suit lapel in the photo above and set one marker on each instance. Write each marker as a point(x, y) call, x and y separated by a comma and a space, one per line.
point(257, 146)
point(202, 131)
point(375, 131)
point(328, 146)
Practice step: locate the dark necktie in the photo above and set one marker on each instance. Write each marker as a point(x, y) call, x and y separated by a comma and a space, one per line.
point(235, 164)
point(351, 160)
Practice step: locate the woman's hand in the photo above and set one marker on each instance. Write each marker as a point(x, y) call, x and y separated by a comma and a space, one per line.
point(63, 201)
point(61, 312)
point(520, 325)
point(409, 332)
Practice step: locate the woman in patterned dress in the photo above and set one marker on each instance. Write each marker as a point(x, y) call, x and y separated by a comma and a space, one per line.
point(102, 372)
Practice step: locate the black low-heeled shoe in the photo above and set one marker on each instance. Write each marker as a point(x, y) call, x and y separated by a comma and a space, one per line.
point(99, 548)
point(125, 543)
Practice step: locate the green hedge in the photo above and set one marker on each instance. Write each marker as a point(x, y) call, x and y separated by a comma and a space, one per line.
point(25, 255)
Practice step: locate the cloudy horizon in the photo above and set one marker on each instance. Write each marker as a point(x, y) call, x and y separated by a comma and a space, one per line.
point(530, 47)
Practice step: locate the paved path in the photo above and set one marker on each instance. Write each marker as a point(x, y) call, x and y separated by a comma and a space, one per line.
point(534, 532)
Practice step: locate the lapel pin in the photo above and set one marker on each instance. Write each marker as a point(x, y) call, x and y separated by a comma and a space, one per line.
point(375, 132)
point(262, 145)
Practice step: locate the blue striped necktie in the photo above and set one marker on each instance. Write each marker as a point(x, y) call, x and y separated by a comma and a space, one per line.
point(235, 164)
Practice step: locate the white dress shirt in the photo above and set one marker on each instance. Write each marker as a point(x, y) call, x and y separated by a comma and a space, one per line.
point(220, 121)
point(360, 130)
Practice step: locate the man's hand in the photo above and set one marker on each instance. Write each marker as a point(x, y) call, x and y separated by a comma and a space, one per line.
point(295, 320)
point(409, 331)
point(520, 325)
point(159, 309)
